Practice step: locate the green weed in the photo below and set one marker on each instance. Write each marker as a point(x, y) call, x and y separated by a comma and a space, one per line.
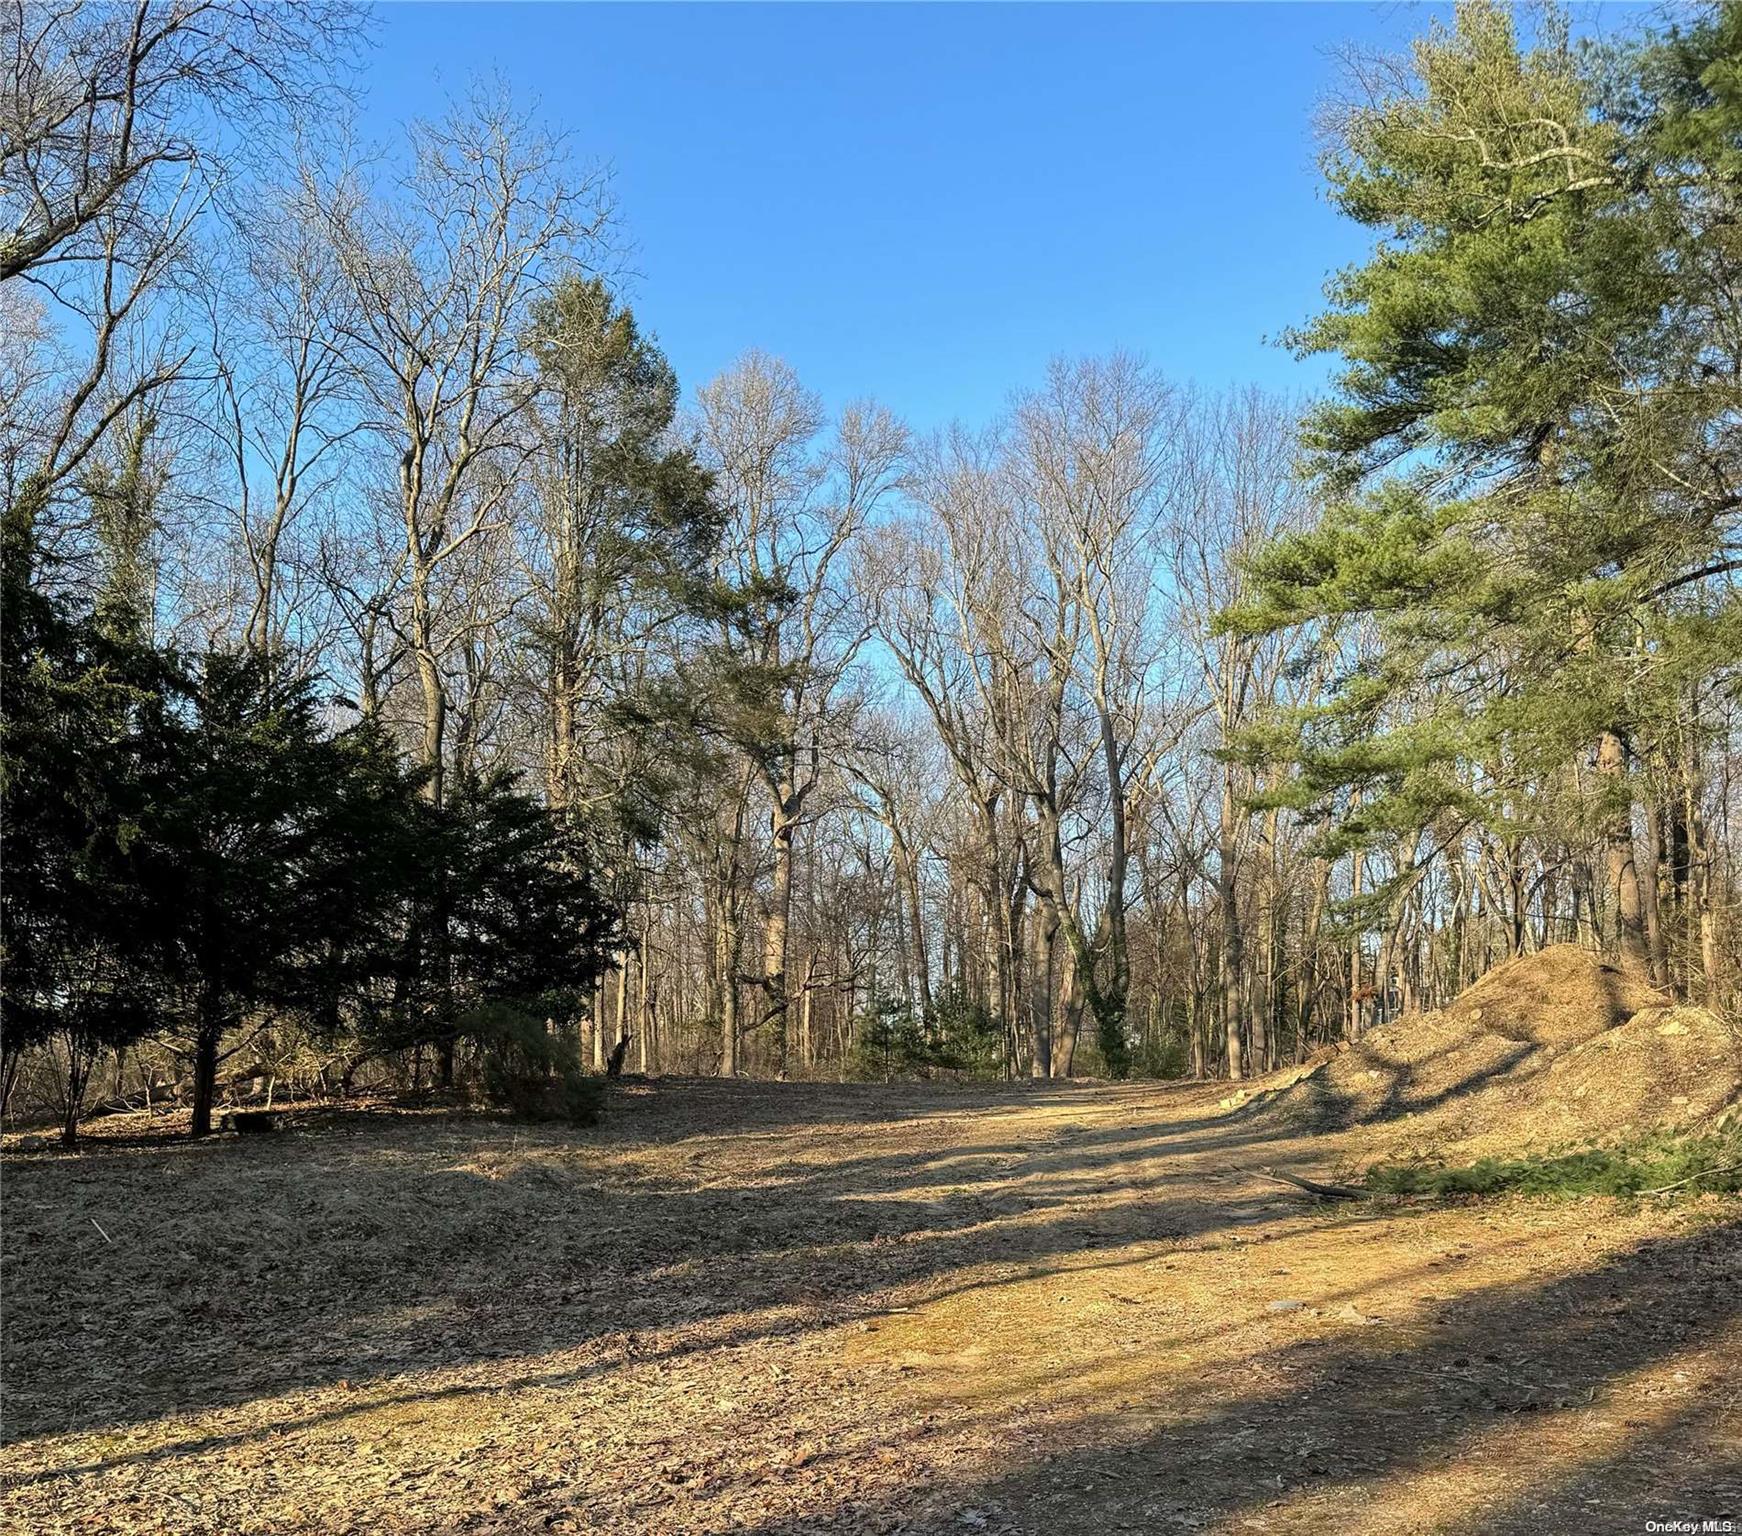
point(1692, 1164)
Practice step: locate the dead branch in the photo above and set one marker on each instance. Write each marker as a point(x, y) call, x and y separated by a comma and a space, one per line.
point(1312, 1187)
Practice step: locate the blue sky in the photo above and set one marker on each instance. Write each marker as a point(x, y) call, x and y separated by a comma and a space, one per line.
point(923, 203)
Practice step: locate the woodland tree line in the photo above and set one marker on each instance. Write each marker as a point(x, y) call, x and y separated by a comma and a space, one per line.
point(406, 683)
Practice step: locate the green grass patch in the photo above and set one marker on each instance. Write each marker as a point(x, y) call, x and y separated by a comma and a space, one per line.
point(1694, 1165)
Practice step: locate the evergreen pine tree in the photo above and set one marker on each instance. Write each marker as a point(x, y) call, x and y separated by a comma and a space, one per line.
point(1532, 452)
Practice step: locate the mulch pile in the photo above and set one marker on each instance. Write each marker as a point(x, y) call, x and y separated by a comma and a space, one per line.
point(1548, 1051)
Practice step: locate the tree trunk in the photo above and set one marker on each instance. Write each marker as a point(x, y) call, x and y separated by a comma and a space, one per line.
point(1110, 995)
point(1261, 995)
point(783, 826)
point(622, 998)
point(806, 1048)
point(562, 732)
point(69, 1127)
point(11, 1058)
point(1357, 962)
point(1702, 935)
point(599, 1052)
point(997, 941)
point(1309, 953)
point(1630, 939)
point(907, 865)
point(1650, 892)
point(435, 715)
point(1232, 948)
point(1195, 1033)
point(727, 942)
point(641, 1010)
point(1042, 929)
point(209, 1030)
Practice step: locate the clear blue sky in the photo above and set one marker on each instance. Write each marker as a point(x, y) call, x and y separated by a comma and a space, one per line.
point(924, 203)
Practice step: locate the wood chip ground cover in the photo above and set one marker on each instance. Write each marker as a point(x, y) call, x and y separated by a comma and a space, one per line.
point(794, 1308)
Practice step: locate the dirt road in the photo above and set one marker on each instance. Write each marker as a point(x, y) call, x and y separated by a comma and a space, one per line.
point(787, 1308)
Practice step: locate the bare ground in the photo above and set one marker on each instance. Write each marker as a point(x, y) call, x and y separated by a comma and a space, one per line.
point(795, 1308)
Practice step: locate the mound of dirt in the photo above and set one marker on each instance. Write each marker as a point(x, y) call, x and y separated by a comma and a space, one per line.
point(1667, 1068)
point(1556, 996)
point(1547, 1051)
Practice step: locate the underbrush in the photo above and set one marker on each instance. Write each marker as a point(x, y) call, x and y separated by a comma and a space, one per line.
point(957, 1039)
point(533, 1073)
point(1691, 1164)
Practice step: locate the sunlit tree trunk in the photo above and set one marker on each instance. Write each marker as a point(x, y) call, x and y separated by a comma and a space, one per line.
point(1232, 949)
point(1622, 870)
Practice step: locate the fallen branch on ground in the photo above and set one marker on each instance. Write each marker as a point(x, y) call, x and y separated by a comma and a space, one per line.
point(1312, 1187)
point(1704, 1173)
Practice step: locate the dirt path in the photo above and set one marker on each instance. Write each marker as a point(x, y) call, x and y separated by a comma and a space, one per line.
point(790, 1308)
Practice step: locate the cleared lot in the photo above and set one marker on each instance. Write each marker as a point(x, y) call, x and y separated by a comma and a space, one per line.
point(787, 1307)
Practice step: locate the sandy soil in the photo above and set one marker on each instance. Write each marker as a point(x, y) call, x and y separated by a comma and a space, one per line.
point(790, 1308)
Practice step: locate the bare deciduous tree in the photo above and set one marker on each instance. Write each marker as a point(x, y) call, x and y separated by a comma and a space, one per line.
point(442, 278)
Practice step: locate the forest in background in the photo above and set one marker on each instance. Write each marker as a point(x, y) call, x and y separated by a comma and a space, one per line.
point(406, 683)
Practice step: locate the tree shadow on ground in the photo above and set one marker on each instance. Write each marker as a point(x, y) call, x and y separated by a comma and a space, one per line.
point(1315, 1102)
point(403, 1258)
point(206, 1276)
point(1361, 1429)
point(742, 1105)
